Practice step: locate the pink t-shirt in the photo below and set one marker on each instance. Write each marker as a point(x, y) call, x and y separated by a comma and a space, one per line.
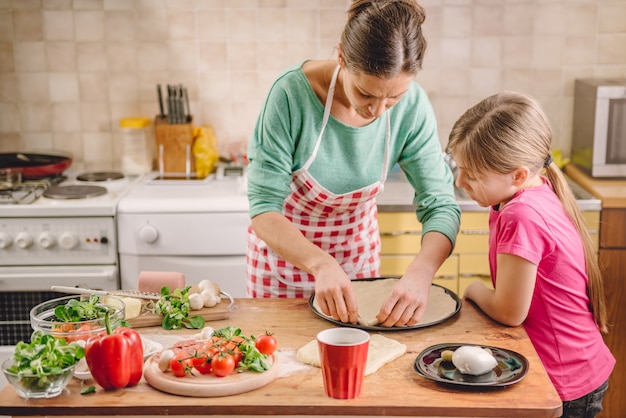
point(534, 226)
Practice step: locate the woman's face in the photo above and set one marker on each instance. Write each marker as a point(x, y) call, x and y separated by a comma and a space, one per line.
point(370, 96)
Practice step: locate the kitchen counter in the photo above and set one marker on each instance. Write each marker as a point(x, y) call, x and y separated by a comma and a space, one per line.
point(611, 192)
point(395, 390)
point(397, 196)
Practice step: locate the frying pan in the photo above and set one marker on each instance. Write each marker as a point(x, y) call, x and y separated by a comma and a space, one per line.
point(36, 165)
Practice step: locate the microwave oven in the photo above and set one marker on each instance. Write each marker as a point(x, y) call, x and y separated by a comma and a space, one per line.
point(599, 127)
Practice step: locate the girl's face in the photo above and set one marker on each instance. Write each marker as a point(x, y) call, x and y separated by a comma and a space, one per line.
point(486, 189)
point(370, 96)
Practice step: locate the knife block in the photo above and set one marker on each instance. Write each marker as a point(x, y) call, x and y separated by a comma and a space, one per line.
point(174, 145)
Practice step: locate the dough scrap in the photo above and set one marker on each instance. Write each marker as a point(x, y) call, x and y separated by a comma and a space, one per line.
point(371, 294)
point(382, 350)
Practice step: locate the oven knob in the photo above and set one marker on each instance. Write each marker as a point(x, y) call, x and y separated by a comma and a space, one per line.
point(67, 240)
point(5, 240)
point(46, 240)
point(24, 240)
point(148, 234)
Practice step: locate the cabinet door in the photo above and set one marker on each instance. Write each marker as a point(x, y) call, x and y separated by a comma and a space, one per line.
point(613, 228)
point(400, 233)
point(473, 267)
point(473, 234)
point(395, 265)
point(592, 220)
point(614, 403)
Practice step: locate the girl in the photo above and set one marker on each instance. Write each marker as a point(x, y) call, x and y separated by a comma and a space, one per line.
point(542, 261)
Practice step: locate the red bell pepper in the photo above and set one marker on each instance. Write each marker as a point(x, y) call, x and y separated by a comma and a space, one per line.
point(115, 358)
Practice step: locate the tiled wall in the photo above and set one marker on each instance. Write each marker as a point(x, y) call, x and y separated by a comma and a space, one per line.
point(70, 69)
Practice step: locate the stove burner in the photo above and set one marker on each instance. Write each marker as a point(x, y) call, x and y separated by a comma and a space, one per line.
point(100, 176)
point(74, 192)
point(25, 194)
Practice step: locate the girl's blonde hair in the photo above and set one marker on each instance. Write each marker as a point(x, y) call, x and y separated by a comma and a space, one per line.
point(509, 130)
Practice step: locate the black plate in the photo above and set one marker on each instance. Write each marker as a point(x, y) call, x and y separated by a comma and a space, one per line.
point(381, 328)
point(511, 368)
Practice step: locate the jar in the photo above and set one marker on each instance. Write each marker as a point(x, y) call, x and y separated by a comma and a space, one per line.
point(137, 145)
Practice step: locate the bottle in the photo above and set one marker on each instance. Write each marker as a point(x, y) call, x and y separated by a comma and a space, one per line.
point(137, 145)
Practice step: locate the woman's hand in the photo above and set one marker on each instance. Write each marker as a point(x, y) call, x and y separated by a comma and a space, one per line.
point(407, 302)
point(334, 294)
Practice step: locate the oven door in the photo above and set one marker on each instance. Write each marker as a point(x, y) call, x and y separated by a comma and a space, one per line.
point(21, 288)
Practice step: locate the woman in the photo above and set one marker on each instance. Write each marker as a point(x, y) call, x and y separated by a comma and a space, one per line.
point(326, 138)
point(542, 260)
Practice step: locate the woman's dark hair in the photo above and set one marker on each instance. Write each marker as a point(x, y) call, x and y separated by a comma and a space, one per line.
point(384, 38)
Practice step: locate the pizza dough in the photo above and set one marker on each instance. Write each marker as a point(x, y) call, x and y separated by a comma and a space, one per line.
point(382, 350)
point(371, 294)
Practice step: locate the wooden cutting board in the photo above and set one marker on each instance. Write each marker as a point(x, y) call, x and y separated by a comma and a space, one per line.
point(208, 385)
point(219, 311)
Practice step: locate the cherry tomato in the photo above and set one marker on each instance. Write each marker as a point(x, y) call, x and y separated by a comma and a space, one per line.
point(232, 347)
point(266, 344)
point(203, 364)
point(223, 365)
point(179, 364)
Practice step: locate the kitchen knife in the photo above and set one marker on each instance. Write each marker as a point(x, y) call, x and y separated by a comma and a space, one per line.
point(162, 114)
point(188, 110)
point(170, 107)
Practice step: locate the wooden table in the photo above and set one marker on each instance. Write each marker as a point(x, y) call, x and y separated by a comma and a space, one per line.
point(394, 390)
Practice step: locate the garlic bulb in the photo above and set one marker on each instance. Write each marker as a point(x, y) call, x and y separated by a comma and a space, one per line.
point(469, 359)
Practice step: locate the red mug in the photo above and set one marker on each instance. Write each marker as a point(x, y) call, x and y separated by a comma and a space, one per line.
point(343, 357)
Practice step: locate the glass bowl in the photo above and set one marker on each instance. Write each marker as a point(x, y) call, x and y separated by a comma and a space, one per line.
point(42, 318)
point(30, 386)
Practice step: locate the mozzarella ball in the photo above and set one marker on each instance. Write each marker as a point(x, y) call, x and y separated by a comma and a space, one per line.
point(469, 359)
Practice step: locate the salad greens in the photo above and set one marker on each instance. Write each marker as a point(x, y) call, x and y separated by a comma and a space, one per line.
point(174, 307)
point(252, 358)
point(76, 310)
point(43, 357)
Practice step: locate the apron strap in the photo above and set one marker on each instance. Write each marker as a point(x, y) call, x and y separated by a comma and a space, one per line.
point(327, 106)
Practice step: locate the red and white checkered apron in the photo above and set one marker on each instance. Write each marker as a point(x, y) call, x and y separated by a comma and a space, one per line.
point(343, 225)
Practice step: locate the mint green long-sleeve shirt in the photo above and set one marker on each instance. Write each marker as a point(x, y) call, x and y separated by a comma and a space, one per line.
point(349, 157)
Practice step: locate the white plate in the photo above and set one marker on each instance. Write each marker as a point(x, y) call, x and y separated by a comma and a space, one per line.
point(149, 348)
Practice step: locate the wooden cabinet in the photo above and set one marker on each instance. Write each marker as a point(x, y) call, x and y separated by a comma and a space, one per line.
point(472, 246)
point(612, 257)
point(401, 237)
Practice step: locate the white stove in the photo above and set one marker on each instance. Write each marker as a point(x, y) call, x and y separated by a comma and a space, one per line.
point(64, 234)
point(114, 183)
point(196, 227)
